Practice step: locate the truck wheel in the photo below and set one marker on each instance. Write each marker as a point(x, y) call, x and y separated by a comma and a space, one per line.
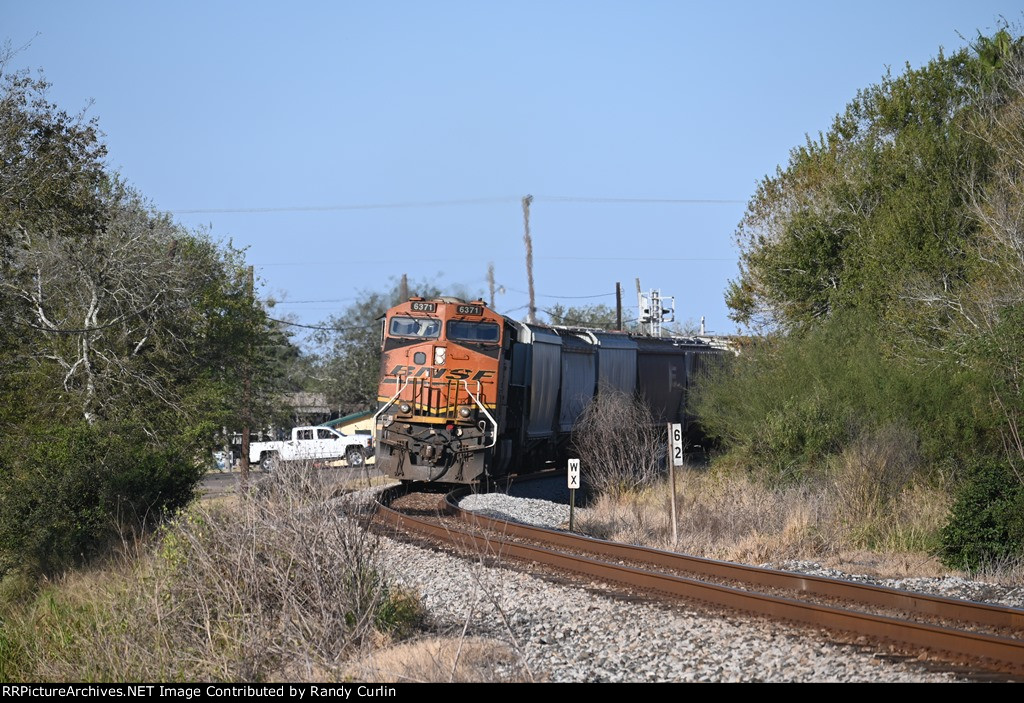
point(354, 457)
point(268, 462)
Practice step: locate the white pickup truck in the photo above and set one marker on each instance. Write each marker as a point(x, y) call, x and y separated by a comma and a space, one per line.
point(308, 443)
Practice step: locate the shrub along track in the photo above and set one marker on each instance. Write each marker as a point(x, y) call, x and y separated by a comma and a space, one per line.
point(972, 635)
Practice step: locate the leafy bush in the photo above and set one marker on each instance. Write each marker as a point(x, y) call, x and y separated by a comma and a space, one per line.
point(986, 523)
point(66, 490)
point(787, 404)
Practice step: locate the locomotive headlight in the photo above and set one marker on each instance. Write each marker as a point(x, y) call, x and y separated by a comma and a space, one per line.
point(465, 411)
point(439, 356)
point(405, 408)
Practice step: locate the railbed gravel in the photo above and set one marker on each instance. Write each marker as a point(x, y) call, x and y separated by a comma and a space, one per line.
point(573, 633)
point(543, 513)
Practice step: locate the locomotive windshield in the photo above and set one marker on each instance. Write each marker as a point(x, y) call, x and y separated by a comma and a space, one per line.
point(465, 331)
point(425, 327)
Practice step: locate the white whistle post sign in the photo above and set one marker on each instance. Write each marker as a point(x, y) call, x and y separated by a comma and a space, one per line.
point(574, 473)
point(573, 477)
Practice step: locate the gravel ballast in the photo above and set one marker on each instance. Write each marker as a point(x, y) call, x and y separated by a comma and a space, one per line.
point(566, 633)
point(544, 513)
point(531, 511)
point(576, 634)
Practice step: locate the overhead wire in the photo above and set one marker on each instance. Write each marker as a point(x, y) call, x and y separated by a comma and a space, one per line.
point(481, 260)
point(456, 202)
point(460, 202)
point(560, 297)
point(630, 258)
point(303, 302)
point(659, 201)
point(321, 327)
point(332, 208)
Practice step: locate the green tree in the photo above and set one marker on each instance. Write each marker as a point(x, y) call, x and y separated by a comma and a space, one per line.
point(596, 316)
point(887, 259)
point(872, 211)
point(125, 339)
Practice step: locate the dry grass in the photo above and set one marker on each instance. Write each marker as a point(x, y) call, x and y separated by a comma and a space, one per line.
point(441, 660)
point(867, 511)
point(280, 582)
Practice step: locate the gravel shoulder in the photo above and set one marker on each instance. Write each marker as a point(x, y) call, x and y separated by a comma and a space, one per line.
point(575, 634)
point(555, 515)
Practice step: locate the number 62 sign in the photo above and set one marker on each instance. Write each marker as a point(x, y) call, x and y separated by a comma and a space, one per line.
point(676, 443)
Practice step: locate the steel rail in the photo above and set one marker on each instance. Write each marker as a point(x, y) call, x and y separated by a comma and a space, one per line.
point(867, 594)
point(994, 651)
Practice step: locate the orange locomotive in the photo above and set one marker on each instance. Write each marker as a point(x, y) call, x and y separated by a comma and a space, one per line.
point(439, 394)
point(466, 393)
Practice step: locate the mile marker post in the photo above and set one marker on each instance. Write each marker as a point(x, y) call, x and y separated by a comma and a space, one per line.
point(675, 450)
point(573, 483)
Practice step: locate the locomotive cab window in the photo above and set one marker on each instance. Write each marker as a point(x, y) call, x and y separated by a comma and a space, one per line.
point(467, 331)
point(425, 327)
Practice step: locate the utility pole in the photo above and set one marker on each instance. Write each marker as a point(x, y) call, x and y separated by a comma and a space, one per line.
point(403, 289)
point(643, 308)
point(490, 281)
point(246, 393)
point(527, 199)
point(618, 306)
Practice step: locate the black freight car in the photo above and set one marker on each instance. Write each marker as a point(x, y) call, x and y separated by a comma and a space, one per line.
point(477, 405)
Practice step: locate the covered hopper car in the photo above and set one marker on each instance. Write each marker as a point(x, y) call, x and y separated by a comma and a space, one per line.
point(466, 393)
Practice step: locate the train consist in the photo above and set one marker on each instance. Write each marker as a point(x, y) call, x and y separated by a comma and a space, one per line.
point(466, 393)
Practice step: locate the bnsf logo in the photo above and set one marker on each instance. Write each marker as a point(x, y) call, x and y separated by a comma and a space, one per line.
point(450, 374)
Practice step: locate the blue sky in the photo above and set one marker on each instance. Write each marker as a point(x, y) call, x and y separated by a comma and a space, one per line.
point(214, 106)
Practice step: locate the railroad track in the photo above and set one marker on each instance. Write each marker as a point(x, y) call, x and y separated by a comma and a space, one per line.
point(976, 636)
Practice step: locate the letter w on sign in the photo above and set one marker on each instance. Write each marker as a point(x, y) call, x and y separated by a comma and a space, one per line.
point(574, 473)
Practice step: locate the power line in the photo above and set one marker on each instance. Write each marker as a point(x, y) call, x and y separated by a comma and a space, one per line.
point(456, 202)
point(321, 327)
point(464, 261)
point(575, 322)
point(640, 201)
point(333, 208)
point(303, 302)
point(365, 261)
point(566, 297)
point(630, 258)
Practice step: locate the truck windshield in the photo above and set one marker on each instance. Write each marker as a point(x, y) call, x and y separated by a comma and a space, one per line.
point(425, 327)
point(465, 331)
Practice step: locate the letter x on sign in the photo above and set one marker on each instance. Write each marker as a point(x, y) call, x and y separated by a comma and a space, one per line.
point(574, 473)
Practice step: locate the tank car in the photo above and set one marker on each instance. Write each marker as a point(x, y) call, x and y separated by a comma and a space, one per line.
point(466, 393)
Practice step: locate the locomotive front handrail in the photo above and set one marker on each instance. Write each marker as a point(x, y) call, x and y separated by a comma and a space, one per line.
point(494, 432)
point(388, 404)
